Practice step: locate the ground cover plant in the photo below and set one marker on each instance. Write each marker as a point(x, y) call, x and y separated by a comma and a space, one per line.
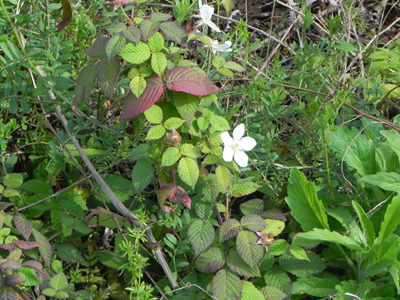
point(191, 150)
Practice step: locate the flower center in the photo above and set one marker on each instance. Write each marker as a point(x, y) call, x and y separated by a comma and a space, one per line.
point(236, 145)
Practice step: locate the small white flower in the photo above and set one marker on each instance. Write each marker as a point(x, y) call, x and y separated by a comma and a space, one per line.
point(217, 47)
point(235, 147)
point(206, 13)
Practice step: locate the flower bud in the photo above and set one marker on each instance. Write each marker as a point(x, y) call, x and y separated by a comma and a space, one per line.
point(174, 138)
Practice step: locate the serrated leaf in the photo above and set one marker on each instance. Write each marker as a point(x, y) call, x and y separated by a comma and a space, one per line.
point(277, 278)
point(69, 253)
point(210, 261)
point(116, 27)
point(134, 106)
point(142, 174)
point(59, 282)
point(111, 259)
point(306, 208)
point(302, 268)
point(155, 133)
point(44, 248)
point(298, 252)
point(13, 180)
point(190, 150)
point(156, 42)
point(382, 255)
point(170, 156)
point(226, 72)
point(218, 61)
point(133, 34)
point(234, 66)
point(203, 210)
point(159, 17)
point(224, 177)
point(26, 245)
point(188, 171)
point(314, 286)
point(135, 54)
point(140, 152)
point(108, 74)
point(210, 188)
point(200, 235)
point(237, 265)
point(210, 159)
point(248, 251)
point(11, 193)
point(182, 79)
point(174, 32)
point(173, 123)
point(274, 226)
point(278, 247)
point(154, 114)
point(37, 186)
point(225, 285)
point(84, 84)
point(250, 292)
point(185, 104)
point(114, 46)
point(202, 123)
point(30, 276)
point(254, 206)
point(148, 29)
point(272, 293)
point(23, 226)
point(12, 280)
point(49, 292)
point(244, 188)
point(137, 85)
point(229, 229)
point(253, 222)
point(158, 62)
point(219, 123)
point(98, 48)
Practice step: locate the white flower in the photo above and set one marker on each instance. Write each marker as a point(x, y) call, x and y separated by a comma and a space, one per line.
point(206, 13)
point(217, 47)
point(235, 147)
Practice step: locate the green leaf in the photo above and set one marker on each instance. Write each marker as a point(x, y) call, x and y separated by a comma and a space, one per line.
point(391, 219)
point(210, 261)
point(247, 248)
point(111, 259)
point(210, 159)
point(218, 61)
point(272, 293)
point(202, 123)
point(137, 85)
point(234, 66)
point(253, 222)
point(148, 29)
point(173, 123)
point(277, 278)
point(170, 156)
point(190, 151)
point(314, 286)
point(59, 282)
point(219, 123)
point(158, 62)
point(116, 27)
point(366, 224)
point(201, 235)
point(250, 292)
point(345, 46)
point(298, 252)
point(278, 247)
point(156, 42)
point(11, 193)
point(224, 178)
point(174, 32)
point(244, 188)
point(135, 54)
point(229, 229)
point(13, 180)
point(62, 295)
point(37, 186)
point(254, 206)
point(331, 236)
point(186, 105)
point(29, 275)
point(393, 139)
point(304, 203)
point(108, 74)
point(159, 17)
point(69, 253)
point(49, 292)
point(154, 114)
point(210, 188)
point(387, 181)
point(44, 248)
point(237, 265)
point(140, 152)
point(188, 171)
point(142, 174)
point(382, 255)
point(133, 34)
point(226, 286)
point(84, 84)
point(98, 48)
point(114, 46)
point(226, 72)
point(156, 132)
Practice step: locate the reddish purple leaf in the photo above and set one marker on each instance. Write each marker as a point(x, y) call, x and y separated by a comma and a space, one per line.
point(33, 264)
point(84, 85)
point(25, 245)
point(168, 208)
point(67, 14)
point(10, 263)
point(44, 248)
point(98, 48)
point(182, 79)
point(179, 195)
point(10, 247)
point(4, 205)
point(108, 73)
point(134, 106)
point(24, 226)
point(13, 280)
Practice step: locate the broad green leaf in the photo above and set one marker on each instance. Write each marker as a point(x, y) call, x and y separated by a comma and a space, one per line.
point(140, 152)
point(174, 32)
point(278, 247)
point(298, 252)
point(13, 180)
point(133, 34)
point(219, 123)
point(49, 292)
point(210, 189)
point(366, 224)
point(250, 292)
point(210, 159)
point(61, 295)
point(331, 236)
point(84, 84)
point(202, 123)
point(190, 151)
point(394, 271)
point(116, 27)
point(203, 210)
point(158, 62)
point(243, 188)
point(108, 74)
point(114, 46)
point(382, 255)
point(218, 61)
point(170, 156)
point(111, 259)
point(186, 105)
point(156, 42)
point(173, 123)
point(201, 235)
point(302, 199)
point(188, 171)
point(69, 253)
point(37, 186)
point(135, 54)
point(156, 132)
point(154, 114)
point(98, 48)
point(226, 286)
point(159, 17)
point(238, 266)
point(229, 229)
point(29, 275)
point(226, 72)
point(234, 66)
point(387, 181)
point(277, 278)
point(59, 282)
point(148, 29)
point(391, 219)
point(345, 46)
point(142, 174)
point(272, 293)
point(300, 267)
point(392, 137)
point(254, 206)
point(224, 177)
point(314, 286)
point(11, 193)
point(137, 85)
point(210, 261)
point(247, 248)
point(44, 248)
point(253, 222)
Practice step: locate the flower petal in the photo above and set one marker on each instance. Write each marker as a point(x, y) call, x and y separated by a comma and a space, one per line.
point(225, 47)
point(227, 155)
point(212, 26)
point(206, 12)
point(241, 158)
point(248, 143)
point(226, 139)
point(238, 132)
